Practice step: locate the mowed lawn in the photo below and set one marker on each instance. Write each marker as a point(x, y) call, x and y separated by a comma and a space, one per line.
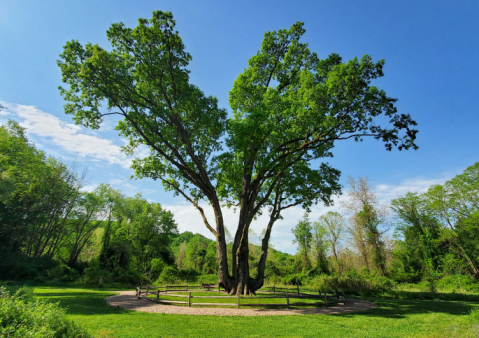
point(393, 318)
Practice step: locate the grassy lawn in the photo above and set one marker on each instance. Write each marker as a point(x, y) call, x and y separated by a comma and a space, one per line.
point(260, 299)
point(393, 318)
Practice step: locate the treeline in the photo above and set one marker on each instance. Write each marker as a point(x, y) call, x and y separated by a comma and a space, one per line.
point(430, 238)
point(51, 229)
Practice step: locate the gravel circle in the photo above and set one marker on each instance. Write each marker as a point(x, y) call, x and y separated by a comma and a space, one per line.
point(128, 300)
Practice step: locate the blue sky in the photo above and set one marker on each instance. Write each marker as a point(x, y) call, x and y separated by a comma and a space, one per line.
point(430, 47)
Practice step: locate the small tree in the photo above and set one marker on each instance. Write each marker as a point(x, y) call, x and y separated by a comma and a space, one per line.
point(320, 246)
point(368, 220)
point(334, 224)
point(303, 237)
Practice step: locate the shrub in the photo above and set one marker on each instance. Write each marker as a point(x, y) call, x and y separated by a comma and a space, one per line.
point(458, 283)
point(63, 273)
point(168, 275)
point(124, 276)
point(295, 279)
point(208, 279)
point(156, 266)
point(20, 316)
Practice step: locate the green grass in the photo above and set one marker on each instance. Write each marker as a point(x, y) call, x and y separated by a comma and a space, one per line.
point(261, 299)
point(393, 318)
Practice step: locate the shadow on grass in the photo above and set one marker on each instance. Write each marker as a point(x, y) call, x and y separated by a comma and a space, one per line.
point(81, 303)
point(403, 308)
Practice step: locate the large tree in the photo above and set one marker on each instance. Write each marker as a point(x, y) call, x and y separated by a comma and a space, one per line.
point(288, 109)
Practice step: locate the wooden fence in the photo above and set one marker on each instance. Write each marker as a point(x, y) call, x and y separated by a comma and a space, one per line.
point(279, 292)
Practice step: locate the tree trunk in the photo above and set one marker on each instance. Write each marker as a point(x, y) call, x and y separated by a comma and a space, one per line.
point(241, 282)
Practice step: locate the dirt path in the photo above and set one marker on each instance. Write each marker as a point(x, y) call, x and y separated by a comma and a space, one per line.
point(128, 300)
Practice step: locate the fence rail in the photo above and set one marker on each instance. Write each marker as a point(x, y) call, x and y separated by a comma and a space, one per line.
point(289, 293)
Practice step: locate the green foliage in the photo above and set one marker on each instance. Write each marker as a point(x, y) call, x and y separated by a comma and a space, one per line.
point(169, 275)
point(439, 231)
point(20, 316)
point(303, 236)
point(458, 284)
point(63, 273)
point(289, 108)
point(295, 279)
point(37, 195)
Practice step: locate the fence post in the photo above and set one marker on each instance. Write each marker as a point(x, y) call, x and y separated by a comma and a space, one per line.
point(274, 289)
point(189, 299)
point(298, 289)
point(147, 287)
point(239, 297)
point(287, 299)
point(326, 298)
point(158, 296)
point(319, 293)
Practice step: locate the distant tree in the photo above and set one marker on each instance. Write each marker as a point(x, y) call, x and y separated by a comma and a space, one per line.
point(360, 241)
point(196, 252)
point(320, 246)
point(440, 224)
point(335, 226)
point(37, 196)
point(87, 216)
point(210, 265)
point(181, 256)
point(302, 237)
point(289, 108)
point(142, 231)
point(369, 220)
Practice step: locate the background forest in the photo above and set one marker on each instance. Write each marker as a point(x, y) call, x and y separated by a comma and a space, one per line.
point(54, 231)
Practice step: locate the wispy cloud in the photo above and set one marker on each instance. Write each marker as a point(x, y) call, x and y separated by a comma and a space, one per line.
point(386, 192)
point(128, 188)
point(69, 137)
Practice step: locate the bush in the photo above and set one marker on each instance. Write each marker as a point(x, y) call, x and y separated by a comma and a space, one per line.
point(22, 317)
point(168, 275)
point(124, 276)
point(458, 283)
point(295, 279)
point(208, 279)
point(95, 275)
point(63, 273)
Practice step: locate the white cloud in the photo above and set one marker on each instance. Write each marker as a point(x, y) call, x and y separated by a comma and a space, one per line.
point(89, 187)
point(386, 192)
point(69, 137)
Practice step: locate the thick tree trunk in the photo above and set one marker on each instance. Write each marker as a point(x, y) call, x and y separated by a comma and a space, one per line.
point(241, 283)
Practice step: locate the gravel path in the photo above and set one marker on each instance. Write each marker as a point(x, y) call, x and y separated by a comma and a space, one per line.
point(128, 300)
